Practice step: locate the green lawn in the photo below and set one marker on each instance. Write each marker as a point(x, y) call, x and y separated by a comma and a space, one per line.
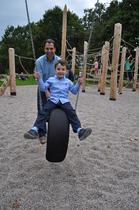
point(29, 81)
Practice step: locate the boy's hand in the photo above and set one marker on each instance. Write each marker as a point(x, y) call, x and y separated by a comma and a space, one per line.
point(80, 80)
point(37, 75)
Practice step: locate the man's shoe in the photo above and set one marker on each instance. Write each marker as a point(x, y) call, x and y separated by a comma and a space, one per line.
point(84, 133)
point(42, 139)
point(31, 134)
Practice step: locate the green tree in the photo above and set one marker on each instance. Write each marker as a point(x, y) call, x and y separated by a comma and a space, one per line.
point(50, 26)
point(129, 18)
point(19, 39)
point(92, 20)
point(104, 18)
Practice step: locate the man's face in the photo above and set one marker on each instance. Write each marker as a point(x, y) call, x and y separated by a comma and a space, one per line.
point(60, 70)
point(49, 50)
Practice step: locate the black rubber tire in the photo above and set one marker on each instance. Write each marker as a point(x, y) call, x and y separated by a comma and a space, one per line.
point(58, 136)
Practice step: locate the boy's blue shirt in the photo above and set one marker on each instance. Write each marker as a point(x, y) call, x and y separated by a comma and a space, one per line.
point(59, 88)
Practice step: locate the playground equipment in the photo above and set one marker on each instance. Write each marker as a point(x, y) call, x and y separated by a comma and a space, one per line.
point(11, 79)
point(58, 126)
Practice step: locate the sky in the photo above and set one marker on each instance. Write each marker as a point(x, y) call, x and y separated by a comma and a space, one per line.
point(13, 12)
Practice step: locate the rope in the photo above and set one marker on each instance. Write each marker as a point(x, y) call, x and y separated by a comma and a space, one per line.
point(111, 38)
point(69, 53)
point(23, 66)
point(24, 57)
point(69, 44)
point(95, 49)
point(31, 37)
point(128, 43)
point(33, 50)
point(77, 98)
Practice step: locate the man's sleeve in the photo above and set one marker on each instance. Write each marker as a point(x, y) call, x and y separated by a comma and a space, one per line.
point(38, 66)
point(43, 86)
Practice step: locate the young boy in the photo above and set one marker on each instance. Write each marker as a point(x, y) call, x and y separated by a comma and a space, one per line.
point(59, 87)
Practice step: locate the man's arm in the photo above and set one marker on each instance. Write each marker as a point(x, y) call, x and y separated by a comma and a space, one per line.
point(43, 86)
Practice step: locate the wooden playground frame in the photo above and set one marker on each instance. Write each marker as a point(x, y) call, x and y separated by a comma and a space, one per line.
point(11, 79)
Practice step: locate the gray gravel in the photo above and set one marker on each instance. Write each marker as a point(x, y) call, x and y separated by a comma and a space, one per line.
point(100, 173)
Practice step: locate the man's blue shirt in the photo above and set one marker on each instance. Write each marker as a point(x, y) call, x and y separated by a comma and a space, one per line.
point(46, 67)
point(59, 88)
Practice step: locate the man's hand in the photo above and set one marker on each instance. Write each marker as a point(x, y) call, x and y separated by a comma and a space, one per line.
point(47, 93)
point(37, 75)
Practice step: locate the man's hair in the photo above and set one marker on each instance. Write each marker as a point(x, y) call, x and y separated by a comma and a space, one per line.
point(62, 62)
point(49, 41)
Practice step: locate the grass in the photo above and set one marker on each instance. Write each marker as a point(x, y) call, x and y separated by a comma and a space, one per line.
point(29, 81)
point(19, 82)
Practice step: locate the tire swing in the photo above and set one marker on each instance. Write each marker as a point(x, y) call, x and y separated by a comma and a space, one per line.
point(58, 136)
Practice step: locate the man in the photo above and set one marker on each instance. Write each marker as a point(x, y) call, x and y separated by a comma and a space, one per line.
point(45, 64)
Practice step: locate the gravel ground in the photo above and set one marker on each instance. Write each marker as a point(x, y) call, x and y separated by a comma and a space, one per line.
point(100, 173)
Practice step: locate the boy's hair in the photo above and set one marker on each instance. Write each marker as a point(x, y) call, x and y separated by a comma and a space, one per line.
point(49, 41)
point(62, 62)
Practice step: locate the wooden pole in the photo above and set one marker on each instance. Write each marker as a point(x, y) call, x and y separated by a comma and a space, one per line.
point(73, 59)
point(12, 71)
point(115, 60)
point(64, 33)
point(136, 70)
point(104, 68)
point(84, 65)
point(122, 70)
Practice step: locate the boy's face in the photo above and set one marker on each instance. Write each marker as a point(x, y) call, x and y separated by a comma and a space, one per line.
point(60, 70)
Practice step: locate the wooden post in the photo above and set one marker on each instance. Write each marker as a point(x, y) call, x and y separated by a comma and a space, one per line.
point(64, 33)
point(136, 70)
point(12, 71)
point(73, 59)
point(115, 60)
point(122, 70)
point(102, 59)
point(84, 65)
point(104, 68)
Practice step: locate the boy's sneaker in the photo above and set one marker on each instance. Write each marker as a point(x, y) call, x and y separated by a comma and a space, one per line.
point(84, 133)
point(31, 134)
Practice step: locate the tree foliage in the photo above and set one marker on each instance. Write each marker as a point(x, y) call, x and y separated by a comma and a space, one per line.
point(103, 18)
point(50, 26)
